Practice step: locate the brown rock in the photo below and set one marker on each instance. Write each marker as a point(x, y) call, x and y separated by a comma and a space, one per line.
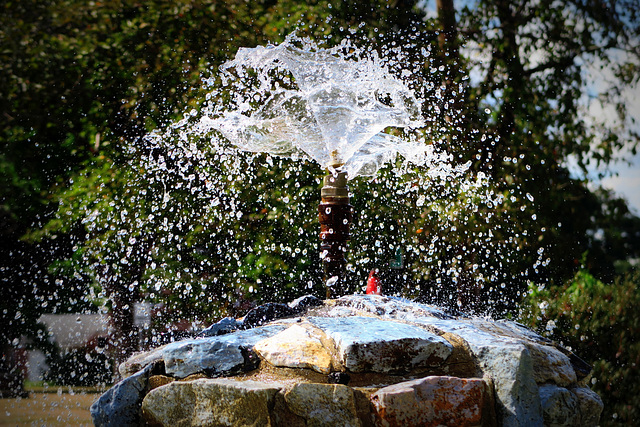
point(461, 363)
point(295, 347)
point(281, 415)
point(432, 401)
point(364, 407)
point(219, 402)
point(551, 366)
point(156, 381)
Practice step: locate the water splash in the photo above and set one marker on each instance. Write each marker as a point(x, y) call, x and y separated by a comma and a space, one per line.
point(327, 104)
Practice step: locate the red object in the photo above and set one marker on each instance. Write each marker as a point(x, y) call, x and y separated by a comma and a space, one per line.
point(374, 285)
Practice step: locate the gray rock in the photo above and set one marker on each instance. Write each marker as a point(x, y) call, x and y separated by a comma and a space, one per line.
point(120, 405)
point(507, 360)
point(559, 406)
point(366, 344)
point(390, 307)
point(590, 405)
point(383, 335)
point(139, 361)
point(511, 369)
point(216, 356)
point(224, 326)
point(215, 402)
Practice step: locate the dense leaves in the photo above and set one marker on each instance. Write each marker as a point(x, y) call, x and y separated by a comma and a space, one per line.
point(600, 322)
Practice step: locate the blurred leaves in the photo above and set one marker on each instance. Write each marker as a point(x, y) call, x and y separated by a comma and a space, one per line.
point(599, 322)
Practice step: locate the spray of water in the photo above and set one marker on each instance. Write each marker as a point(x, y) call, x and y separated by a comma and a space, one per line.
point(220, 207)
point(330, 105)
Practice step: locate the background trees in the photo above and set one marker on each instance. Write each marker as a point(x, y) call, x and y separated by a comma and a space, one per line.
point(85, 195)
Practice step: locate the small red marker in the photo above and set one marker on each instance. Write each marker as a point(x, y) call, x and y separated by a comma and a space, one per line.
point(374, 285)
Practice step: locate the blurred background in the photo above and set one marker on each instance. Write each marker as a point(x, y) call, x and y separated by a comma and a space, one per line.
point(103, 255)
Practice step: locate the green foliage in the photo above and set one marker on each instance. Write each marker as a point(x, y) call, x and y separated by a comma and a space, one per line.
point(600, 322)
point(533, 64)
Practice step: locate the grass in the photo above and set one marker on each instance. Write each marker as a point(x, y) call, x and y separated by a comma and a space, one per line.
point(49, 406)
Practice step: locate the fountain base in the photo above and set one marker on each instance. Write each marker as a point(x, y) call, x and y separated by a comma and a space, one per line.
point(403, 364)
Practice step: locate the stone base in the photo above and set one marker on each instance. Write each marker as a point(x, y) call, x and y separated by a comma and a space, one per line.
point(356, 361)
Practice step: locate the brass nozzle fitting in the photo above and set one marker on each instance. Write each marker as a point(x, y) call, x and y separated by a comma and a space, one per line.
point(335, 187)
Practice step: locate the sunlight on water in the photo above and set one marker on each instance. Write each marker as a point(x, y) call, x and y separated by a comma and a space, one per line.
point(331, 105)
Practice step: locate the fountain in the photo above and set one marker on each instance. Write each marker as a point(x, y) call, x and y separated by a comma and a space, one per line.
point(357, 359)
point(330, 109)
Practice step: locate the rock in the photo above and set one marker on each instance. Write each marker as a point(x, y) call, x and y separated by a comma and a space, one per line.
point(556, 355)
point(391, 307)
point(371, 342)
point(506, 359)
point(266, 313)
point(120, 405)
point(216, 356)
point(224, 326)
point(139, 361)
point(550, 365)
point(590, 405)
point(295, 347)
point(156, 381)
point(366, 344)
point(461, 363)
point(219, 402)
point(559, 406)
point(512, 355)
point(300, 305)
point(338, 378)
point(282, 415)
point(364, 407)
point(582, 368)
point(432, 401)
point(511, 369)
point(323, 404)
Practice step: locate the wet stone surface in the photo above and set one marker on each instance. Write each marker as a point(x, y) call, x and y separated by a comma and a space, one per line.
point(366, 344)
point(361, 360)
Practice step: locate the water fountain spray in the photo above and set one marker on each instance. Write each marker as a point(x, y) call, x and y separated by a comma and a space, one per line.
point(336, 114)
point(334, 214)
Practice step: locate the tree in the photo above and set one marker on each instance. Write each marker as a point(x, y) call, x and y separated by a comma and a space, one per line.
point(529, 95)
point(77, 81)
point(128, 68)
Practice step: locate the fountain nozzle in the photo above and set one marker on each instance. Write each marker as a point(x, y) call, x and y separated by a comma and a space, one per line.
point(335, 161)
point(335, 217)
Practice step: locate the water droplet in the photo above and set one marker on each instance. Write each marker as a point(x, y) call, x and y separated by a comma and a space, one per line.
point(332, 281)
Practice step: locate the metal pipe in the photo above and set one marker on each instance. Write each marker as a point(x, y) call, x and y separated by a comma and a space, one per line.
point(335, 215)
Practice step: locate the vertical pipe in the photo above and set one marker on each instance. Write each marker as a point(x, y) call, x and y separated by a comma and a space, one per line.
point(335, 217)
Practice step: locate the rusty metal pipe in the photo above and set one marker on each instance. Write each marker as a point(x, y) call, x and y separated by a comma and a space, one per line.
point(335, 215)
